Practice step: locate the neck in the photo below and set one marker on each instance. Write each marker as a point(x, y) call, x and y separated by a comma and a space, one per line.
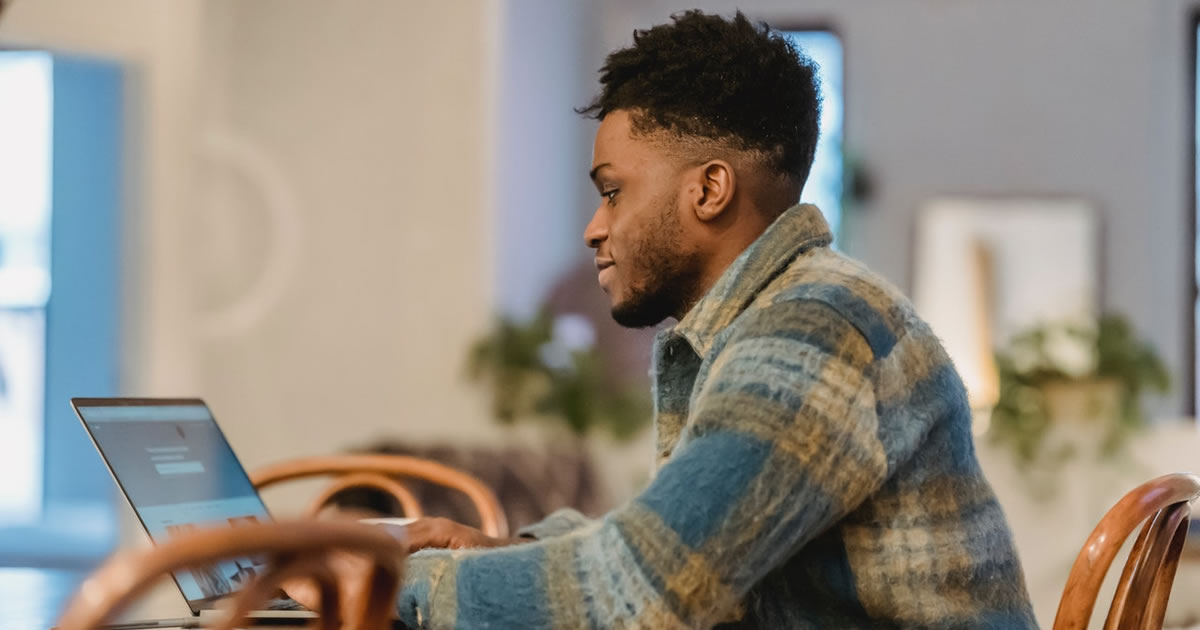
point(726, 247)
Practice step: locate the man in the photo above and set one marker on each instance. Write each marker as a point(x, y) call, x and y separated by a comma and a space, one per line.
point(815, 467)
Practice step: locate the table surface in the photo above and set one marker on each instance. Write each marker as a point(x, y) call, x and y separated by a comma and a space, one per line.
point(31, 599)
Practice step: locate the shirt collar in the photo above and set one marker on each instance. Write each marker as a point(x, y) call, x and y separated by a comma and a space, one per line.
point(797, 230)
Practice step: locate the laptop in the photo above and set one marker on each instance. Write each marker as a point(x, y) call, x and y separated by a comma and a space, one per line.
point(178, 472)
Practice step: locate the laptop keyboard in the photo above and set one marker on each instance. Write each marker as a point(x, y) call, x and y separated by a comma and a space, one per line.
point(283, 603)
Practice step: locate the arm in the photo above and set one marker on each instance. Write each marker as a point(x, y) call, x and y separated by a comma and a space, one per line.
point(784, 442)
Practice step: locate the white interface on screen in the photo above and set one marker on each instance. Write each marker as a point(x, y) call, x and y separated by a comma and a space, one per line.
point(179, 473)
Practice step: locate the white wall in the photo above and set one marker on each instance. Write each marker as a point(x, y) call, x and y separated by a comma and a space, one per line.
point(370, 119)
point(1085, 98)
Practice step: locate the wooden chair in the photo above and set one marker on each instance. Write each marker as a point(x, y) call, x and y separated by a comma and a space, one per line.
point(292, 549)
point(381, 472)
point(1140, 602)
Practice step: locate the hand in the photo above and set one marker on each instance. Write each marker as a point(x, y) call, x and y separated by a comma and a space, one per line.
point(351, 573)
point(425, 533)
point(443, 533)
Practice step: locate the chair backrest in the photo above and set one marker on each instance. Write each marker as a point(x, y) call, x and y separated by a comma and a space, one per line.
point(1161, 507)
point(292, 550)
point(380, 472)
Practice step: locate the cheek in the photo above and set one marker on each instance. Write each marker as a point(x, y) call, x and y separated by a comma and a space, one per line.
point(625, 238)
point(616, 237)
point(634, 271)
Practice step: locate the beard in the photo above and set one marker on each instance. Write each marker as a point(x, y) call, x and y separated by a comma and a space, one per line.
point(647, 307)
point(669, 284)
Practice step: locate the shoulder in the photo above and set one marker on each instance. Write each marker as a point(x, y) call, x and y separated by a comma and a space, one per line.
point(822, 280)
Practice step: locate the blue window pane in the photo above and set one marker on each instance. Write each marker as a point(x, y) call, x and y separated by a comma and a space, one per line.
point(824, 187)
point(60, 197)
point(25, 159)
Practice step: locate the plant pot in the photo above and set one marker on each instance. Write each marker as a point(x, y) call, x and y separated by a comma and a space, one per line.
point(1083, 402)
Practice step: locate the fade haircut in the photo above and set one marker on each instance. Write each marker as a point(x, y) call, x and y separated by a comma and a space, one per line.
point(710, 80)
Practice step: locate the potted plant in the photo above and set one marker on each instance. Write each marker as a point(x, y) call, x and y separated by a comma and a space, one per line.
point(550, 368)
point(1093, 376)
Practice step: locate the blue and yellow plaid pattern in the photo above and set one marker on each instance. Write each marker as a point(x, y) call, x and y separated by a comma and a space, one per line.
point(815, 469)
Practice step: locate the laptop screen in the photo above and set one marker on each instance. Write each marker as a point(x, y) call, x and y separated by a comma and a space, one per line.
point(179, 473)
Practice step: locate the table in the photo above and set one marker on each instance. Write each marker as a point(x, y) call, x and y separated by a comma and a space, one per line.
point(31, 599)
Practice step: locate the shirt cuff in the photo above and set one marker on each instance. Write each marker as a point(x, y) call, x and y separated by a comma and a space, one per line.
point(559, 523)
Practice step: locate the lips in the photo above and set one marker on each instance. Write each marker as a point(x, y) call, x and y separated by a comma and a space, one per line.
point(602, 271)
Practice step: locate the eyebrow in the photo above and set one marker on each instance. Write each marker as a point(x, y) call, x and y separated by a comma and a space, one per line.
point(592, 173)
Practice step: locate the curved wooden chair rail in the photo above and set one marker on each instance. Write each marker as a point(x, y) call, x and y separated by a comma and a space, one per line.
point(293, 549)
point(380, 471)
point(409, 504)
point(1161, 507)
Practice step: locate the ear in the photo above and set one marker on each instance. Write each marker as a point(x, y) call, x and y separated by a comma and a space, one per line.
point(715, 184)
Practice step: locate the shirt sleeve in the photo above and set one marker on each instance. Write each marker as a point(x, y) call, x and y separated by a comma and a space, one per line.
point(783, 441)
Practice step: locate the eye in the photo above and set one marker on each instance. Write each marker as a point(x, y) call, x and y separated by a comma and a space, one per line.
point(610, 195)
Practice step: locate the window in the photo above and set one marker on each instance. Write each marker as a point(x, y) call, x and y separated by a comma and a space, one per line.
point(25, 80)
point(60, 199)
point(824, 187)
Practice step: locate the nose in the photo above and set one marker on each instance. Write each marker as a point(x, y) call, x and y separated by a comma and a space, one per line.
point(596, 231)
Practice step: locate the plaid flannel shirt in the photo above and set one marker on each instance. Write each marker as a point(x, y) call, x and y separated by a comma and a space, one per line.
point(815, 469)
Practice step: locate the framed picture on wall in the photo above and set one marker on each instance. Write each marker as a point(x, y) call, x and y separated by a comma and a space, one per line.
point(987, 268)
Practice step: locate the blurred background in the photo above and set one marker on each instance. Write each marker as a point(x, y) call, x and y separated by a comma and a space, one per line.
point(358, 226)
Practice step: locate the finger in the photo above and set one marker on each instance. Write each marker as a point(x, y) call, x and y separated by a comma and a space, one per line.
point(303, 591)
point(424, 533)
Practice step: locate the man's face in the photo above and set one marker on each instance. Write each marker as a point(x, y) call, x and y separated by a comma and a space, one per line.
point(644, 263)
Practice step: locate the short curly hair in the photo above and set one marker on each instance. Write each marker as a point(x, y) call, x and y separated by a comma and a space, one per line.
point(724, 80)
